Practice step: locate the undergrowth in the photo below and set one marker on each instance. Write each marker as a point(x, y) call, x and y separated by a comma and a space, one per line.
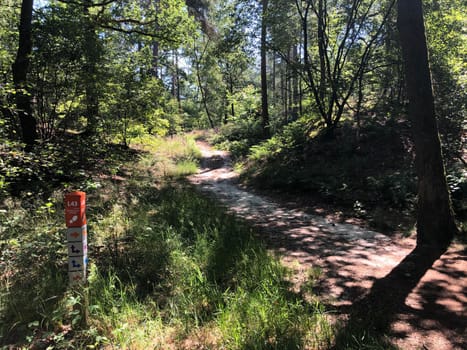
point(371, 177)
point(169, 268)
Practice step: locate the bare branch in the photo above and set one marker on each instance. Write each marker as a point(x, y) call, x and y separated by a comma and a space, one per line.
point(87, 3)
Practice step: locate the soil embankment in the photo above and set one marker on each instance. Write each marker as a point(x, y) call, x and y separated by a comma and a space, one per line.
point(350, 259)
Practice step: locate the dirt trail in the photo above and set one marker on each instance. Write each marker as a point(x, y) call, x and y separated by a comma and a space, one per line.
point(351, 259)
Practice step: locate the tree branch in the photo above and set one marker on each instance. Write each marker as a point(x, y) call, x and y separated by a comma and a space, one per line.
point(87, 3)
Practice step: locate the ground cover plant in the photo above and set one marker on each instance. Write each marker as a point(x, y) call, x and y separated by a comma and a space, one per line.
point(370, 178)
point(169, 268)
point(354, 110)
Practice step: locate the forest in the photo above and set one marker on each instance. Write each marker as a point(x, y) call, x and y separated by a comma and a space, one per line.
point(259, 174)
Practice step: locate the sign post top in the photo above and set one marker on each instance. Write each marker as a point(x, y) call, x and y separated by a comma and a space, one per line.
point(76, 194)
point(75, 209)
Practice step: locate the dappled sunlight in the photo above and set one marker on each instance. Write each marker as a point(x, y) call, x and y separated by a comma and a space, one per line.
point(351, 258)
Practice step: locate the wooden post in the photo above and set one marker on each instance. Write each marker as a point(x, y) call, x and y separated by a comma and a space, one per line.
point(77, 243)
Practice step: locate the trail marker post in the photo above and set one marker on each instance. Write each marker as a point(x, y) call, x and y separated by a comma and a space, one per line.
point(77, 237)
point(77, 243)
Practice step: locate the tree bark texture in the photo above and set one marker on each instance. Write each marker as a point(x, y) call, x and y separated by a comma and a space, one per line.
point(20, 71)
point(155, 46)
point(264, 81)
point(91, 54)
point(295, 83)
point(435, 219)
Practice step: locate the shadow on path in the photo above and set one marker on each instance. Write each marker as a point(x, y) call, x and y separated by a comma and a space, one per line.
point(417, 297)
point(385, 305)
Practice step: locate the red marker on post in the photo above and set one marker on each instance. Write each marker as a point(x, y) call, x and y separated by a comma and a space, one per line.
point(75, 209)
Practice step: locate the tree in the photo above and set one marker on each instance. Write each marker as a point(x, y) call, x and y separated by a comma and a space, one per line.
point(345, 34)
point(232, 53)
point(264, 80)
point(221, 61)
point(60, 67)
point(204, 76)
point(447, 43)
point(20, 72)
point(284, 43)
point(9, 39)
point(91, 52)
point(435, 220)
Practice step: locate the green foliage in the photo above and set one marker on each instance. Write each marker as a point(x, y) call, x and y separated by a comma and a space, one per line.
point(169, 263)
point(457, 182)
point(445, 26)
point(444, 23)
point(289, 139)
point(135, 103)
point(91, 77)
point(166, 263)
point(241, 132)
point(222, 63)
point(62, 59)
point(212, 270)
point(25, 173)
point(32, 266)
point(167, 21)
point(246, 103)
point(360, 178)
point(9, 15)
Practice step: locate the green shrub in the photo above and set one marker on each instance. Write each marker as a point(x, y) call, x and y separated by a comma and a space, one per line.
point(166, 263)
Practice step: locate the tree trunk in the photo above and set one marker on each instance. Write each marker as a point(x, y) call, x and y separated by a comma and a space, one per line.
point(264, 81)
point(295, 83)
point(176, 80)
point(155, 46)
point(91, 55)
point(435, 220)
point(284, 95)
point(20, 70)
point(231, 90)
point(203, 95)
point(155, 59)
point(322, 50)
point(203, 92)
point(274, 97)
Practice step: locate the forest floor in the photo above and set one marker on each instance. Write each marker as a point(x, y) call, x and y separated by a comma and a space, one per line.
point(348, 259)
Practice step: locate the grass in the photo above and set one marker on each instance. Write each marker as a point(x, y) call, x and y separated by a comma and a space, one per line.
point(169, 268)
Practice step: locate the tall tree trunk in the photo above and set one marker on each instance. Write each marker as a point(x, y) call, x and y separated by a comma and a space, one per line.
point(359, 106)
point(226, 109)
point(284, 95)
point(264, 81)
point(203, 92)
point(295, 83)
point(203, 95)
point(300, 99)
point(20, 70)
point(176, 79)
point(179, 98)
point(322, 50)
point(91, 56)
point(155, 46)
point(435, 220)
point(274, 97)
point(155, 59)
point(231, 90)
point(307, 62)
point(174, 75)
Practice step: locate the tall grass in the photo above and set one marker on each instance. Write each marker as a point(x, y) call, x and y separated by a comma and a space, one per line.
point(169, 269)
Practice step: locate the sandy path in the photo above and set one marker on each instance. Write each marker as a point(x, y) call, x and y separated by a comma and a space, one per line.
point(351, 259)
